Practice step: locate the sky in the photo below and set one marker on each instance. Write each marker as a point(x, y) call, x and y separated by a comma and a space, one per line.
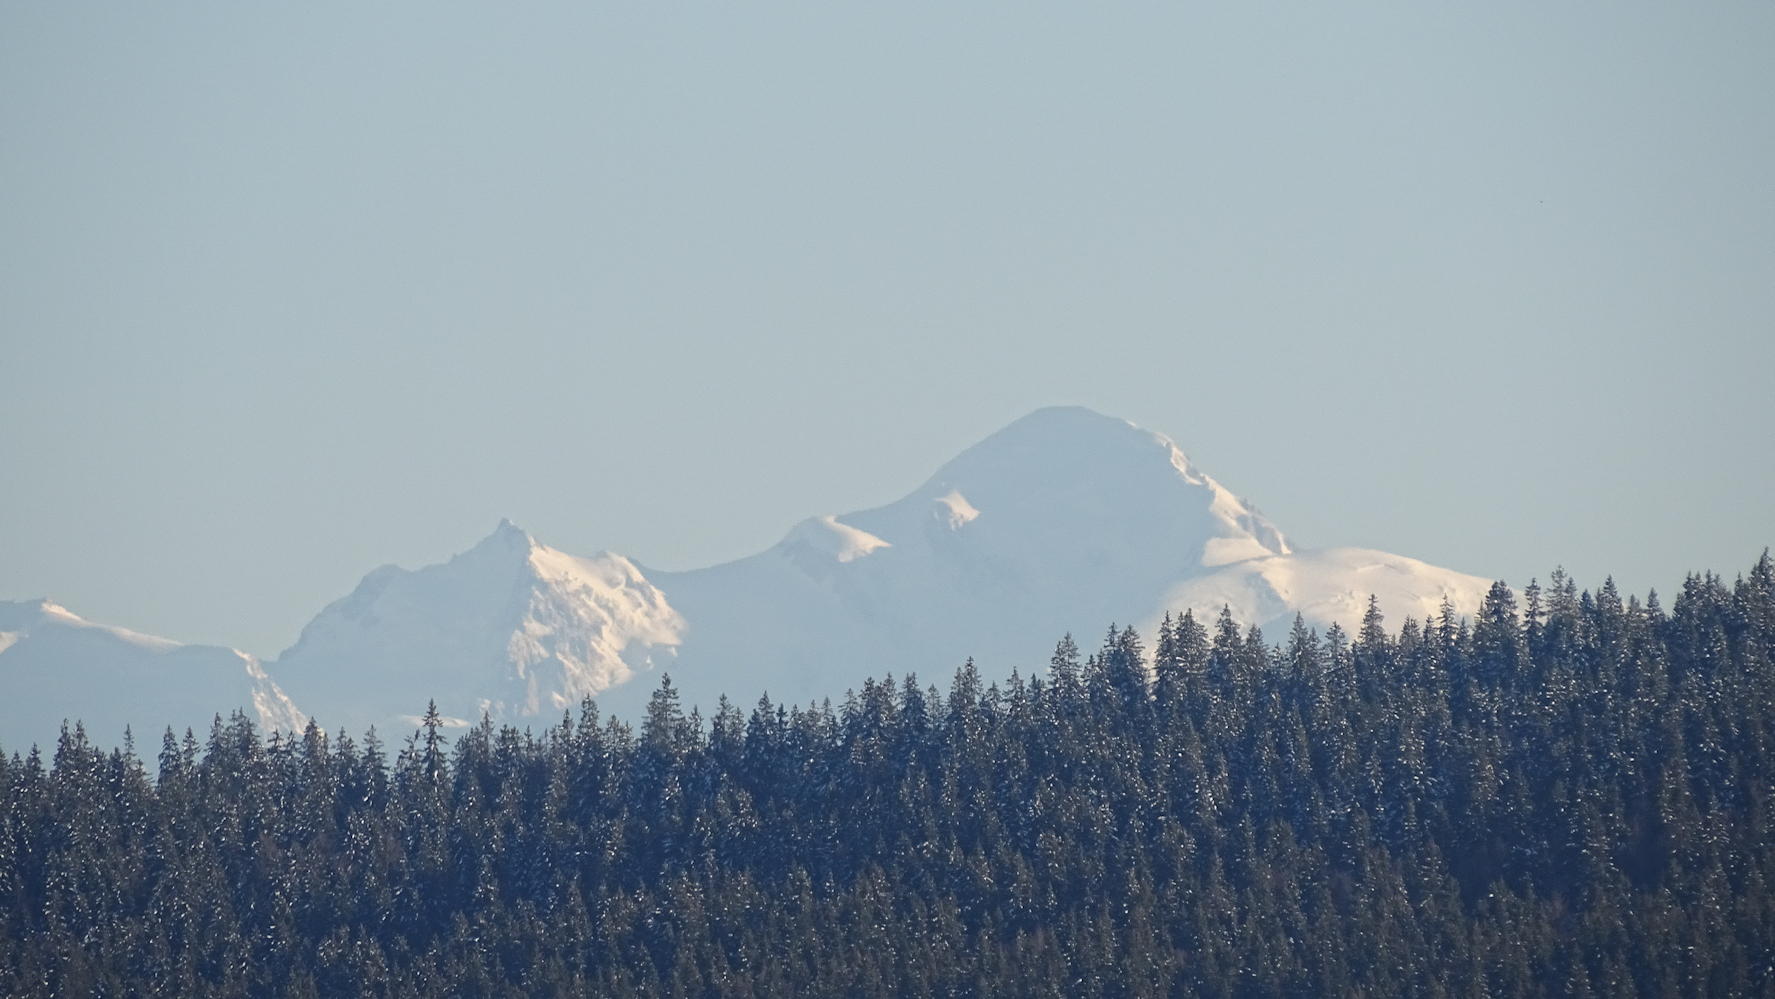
point(288, 292)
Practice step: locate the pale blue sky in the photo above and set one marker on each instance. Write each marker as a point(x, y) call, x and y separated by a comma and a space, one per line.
point(290, 291)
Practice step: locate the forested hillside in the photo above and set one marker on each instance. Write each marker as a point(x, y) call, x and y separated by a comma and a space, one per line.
point(1568, 794)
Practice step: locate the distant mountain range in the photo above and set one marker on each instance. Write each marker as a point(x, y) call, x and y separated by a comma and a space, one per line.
point(56, 665)
point(1066, 520)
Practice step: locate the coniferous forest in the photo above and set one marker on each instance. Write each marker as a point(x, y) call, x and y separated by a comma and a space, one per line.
point(1565, 793)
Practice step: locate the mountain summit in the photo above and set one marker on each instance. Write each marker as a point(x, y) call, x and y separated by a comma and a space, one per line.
point(511, 627)
point(1087, 485)
point(1065, 520)
point(59, 666)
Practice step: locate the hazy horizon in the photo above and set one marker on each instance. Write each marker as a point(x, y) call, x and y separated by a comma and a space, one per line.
point(290, 294)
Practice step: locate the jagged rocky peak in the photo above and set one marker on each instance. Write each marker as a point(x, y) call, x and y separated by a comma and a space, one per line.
point(509, 545)
point(510, 536)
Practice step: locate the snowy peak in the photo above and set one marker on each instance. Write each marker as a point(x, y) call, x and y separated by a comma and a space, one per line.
point(1062, 521)
point(510, 627)
point(23, 617)
point(1063, 485)
point(507, 537)
point(1055, 448)
point(58, 665)
point(507, 549)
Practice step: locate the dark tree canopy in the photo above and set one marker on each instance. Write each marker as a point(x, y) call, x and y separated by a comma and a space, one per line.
point(1568, 794)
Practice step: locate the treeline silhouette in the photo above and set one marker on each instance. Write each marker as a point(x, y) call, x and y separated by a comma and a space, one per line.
point(1565, 794)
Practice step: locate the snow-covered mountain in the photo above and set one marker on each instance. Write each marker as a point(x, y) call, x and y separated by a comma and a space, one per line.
point(510, 627)
point(1066, 520)
point(55, 666)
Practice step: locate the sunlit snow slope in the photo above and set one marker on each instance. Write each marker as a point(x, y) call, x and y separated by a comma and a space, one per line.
point(510, 627)
point(1066, 520)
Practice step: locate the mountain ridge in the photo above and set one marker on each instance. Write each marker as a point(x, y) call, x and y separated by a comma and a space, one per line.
point(54, 660)
point(1064, 520)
